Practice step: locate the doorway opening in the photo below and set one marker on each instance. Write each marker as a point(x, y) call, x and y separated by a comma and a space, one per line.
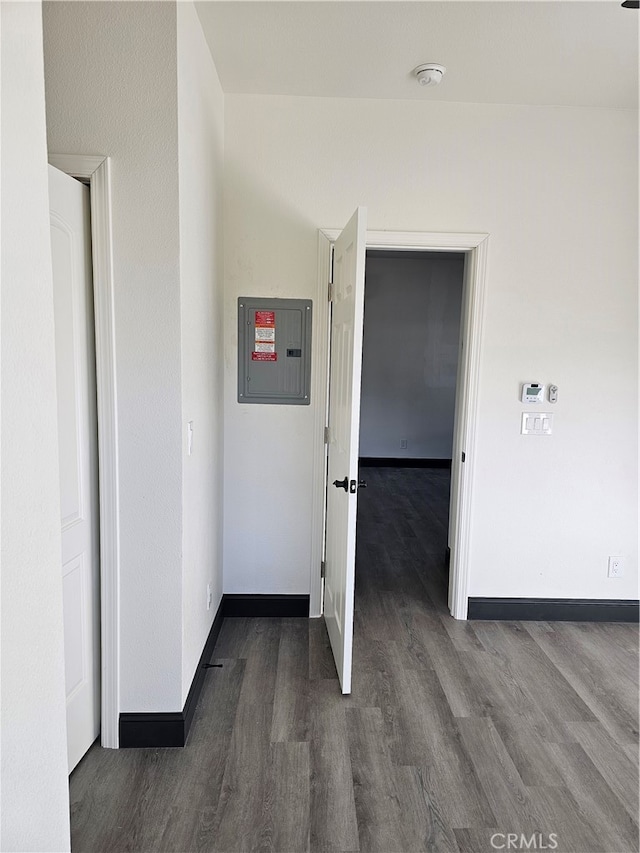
point(410, 357)
point(95, 170)
point(337, 355)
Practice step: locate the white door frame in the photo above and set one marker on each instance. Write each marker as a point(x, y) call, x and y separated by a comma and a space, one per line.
point(476, 245)
point(96, 170)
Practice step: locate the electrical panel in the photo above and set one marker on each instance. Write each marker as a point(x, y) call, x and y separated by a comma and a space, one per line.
point(274, 351)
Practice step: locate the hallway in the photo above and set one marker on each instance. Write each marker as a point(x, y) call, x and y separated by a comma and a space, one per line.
point(403, 517)
point(454, 731)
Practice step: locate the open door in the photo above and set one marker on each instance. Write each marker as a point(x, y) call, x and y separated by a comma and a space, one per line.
point(457, 458)
point(78, 450)
point(344, 426)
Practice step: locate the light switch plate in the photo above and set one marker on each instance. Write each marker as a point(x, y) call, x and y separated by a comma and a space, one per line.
point(536, 423)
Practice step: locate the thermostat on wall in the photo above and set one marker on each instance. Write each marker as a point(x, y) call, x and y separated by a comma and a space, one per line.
point(532, 392)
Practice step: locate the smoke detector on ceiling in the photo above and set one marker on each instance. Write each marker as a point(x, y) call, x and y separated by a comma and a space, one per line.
point(429, 74)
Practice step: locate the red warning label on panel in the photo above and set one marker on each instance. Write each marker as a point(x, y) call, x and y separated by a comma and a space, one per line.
point(264, 356)
point(265, 318)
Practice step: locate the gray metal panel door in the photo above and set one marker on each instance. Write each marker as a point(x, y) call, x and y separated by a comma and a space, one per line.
point(274, 351)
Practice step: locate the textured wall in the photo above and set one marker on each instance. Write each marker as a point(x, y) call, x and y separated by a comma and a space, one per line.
point(556, 189)
point(201, 151)
point(33, 785)
point(143, 89)
point(111, 88)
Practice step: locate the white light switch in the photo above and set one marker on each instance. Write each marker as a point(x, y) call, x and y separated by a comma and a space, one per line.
point(189, 437)
point(536, 423)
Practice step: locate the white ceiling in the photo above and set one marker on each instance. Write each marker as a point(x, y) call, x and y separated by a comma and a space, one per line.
point(566, 53)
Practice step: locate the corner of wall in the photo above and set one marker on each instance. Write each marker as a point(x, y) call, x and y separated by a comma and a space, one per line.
point(200, 159)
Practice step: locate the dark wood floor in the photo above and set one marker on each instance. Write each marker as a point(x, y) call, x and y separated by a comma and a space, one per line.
point(454, 731)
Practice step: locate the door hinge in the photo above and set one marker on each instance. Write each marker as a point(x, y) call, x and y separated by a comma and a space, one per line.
point(327, 435)
point(323, 569)
point(330, 287)
point(463, 456)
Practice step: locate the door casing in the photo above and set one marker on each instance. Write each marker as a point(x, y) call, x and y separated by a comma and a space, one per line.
point(475, 246)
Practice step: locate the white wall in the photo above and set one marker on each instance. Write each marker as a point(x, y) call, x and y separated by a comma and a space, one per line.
point(556, 189)
point(111, 88)
point(200, 154)
point(144, 91)
point(410, 355)
point(34, 789)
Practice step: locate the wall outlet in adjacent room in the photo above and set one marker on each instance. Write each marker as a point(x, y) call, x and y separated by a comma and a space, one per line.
point(616, 567)
point(209, 596)
point(403, 444)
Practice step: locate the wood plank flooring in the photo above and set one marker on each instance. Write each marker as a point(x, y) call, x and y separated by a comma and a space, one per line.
point(455, 733)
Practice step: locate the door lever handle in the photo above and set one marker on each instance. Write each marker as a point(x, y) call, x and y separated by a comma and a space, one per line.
point(342, 484)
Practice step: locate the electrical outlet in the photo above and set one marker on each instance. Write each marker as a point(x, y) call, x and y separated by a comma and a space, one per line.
point(403, 444)
point(616, 567)
point(209, 596)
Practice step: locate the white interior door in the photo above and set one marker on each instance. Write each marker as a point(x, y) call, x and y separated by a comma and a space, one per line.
point(77, 429)
point(344, 427)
